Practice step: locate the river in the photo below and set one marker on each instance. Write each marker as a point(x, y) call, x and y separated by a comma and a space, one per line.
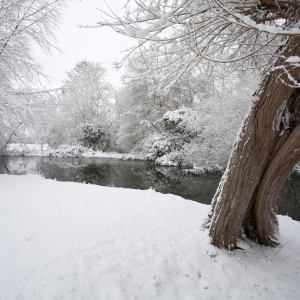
point(138, 175)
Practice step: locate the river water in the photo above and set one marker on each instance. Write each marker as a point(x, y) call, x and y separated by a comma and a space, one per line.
point(138, 175)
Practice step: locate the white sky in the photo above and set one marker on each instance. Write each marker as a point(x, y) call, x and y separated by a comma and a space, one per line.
point(98, 44)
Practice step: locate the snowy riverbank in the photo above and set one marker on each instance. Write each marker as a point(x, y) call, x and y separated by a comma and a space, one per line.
point(79, 151)
point(64, 151)
point(62, 240)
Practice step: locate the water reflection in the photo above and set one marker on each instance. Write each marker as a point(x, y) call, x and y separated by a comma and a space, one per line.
point(137, 175)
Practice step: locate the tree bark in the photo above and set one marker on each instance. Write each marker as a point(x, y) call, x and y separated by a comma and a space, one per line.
point(270, 187)
point(246, 196)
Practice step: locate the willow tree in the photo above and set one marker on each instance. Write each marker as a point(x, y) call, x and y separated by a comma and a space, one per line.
point(234, 33)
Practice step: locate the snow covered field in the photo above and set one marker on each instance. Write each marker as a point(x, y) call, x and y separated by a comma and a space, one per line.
point(63, 240)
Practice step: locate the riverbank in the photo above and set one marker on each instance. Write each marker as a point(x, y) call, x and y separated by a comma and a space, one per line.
point(65, 240)
point(64, 151)
point(79, 151)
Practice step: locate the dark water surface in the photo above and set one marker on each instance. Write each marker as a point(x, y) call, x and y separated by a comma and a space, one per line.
point(138, 175)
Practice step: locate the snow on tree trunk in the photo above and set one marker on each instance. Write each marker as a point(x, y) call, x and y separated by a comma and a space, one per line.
point(262, 158)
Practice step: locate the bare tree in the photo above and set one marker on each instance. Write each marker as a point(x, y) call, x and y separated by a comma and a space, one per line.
point(23, 24)
point(261, 34)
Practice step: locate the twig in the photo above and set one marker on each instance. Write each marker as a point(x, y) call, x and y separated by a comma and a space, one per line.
point(280, 248)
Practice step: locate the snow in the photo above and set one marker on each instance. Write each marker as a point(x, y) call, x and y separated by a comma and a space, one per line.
point(278, 118)
point(65, 151)
point(63, 240)
point(114, 155)
point(263, 27)
point(242, 244)
point(293, 59)
point(130, 31)
point(159, 24)
point(27, 149)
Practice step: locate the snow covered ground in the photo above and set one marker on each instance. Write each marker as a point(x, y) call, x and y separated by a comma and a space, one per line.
point(115, 155)
point(64, 151)
point(63, 240)
point(16, 149)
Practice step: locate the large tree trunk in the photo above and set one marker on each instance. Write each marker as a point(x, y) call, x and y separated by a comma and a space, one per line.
point(262, 158)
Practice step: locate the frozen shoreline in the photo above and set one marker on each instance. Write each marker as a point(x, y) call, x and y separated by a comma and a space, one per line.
point(66, 240)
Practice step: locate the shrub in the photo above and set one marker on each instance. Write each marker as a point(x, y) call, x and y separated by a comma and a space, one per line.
point(95, 137)
point(67, 151)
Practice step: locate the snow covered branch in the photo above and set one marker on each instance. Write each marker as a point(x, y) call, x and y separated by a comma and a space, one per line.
point(182, 33)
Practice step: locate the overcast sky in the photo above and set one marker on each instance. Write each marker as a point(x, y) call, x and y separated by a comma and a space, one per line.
point(100, 44)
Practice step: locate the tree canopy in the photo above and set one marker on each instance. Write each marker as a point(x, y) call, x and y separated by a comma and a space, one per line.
point(182, 33)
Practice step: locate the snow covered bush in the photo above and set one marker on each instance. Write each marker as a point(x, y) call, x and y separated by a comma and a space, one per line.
point(211, 148)
point(181, 127)
point(67, 151)
point(184, 121)
point(194, 138)
point(95, 137)
point(208, 152)
point(158, 145)
point(173, 159)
